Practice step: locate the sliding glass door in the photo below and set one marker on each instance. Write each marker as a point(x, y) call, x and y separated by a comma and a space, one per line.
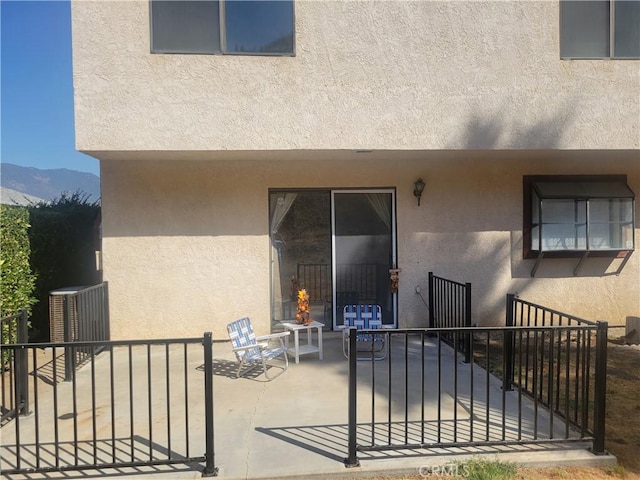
point(339, 245)
point(363, 247)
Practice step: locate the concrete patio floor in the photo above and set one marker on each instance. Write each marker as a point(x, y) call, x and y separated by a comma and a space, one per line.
point(295, 426)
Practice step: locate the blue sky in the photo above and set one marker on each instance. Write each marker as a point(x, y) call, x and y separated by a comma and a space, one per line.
point(37, 128)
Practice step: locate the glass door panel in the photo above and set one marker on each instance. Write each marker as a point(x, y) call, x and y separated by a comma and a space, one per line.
point(337, 245)
point(363, 251)
point(300, 224)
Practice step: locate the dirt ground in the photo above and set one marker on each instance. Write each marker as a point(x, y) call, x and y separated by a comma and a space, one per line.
point(622, 422)
point(623, 407)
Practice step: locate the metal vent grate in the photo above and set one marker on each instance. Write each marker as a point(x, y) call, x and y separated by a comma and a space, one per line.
point(56, 317)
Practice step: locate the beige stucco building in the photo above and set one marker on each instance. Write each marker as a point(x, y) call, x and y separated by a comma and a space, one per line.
point(223, 175)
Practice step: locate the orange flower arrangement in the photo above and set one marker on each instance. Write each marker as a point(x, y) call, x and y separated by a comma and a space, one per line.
point(302, 317)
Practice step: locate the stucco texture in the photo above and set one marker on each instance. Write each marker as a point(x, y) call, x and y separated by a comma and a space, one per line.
point(468, 95)
point(186, 242)
point(399, 75)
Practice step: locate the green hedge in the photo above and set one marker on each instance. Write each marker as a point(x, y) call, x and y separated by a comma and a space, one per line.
point(16, 280)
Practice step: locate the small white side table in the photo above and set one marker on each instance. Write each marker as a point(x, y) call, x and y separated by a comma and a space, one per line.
point(310, 347)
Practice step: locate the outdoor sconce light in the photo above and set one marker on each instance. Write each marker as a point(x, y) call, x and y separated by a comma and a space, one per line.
point(418, 188)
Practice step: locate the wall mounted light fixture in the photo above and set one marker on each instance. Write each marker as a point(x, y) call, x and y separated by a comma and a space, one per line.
point(418, 188)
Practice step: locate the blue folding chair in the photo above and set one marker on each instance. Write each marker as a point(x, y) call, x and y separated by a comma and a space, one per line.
point(252, 351)
point(364, 317)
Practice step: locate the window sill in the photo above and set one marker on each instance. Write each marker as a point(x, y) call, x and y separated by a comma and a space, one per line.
point(610, 253)
point(538, 255)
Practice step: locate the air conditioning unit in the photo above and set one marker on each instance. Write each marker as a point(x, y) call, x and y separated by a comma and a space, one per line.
point(57, 300)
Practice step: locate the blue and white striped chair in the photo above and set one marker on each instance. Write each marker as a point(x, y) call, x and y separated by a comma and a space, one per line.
point(364, 317)
point(253, 351)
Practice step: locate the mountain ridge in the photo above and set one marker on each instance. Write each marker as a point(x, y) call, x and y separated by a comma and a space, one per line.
point(48, 184)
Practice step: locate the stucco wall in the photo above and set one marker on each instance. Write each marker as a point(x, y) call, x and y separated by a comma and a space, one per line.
point(366, 75)
point(186, 246)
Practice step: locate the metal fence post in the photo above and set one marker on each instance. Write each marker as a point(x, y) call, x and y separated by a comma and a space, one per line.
point(106, 326)
point(509, 354)
point(210, 469)
point(431, 301)
point(352, 459)
point(468, 337)
point(600, 394)
point(69, 353)
point(22, 365)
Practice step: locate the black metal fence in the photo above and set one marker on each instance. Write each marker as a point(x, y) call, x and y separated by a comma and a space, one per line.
point(424, 396)
point(316, 278)
point(93, 313)
point(562, 368)
point(450, 308)
point(15, 394)
point(137, 403)
point(85, 319)
point(359, 279)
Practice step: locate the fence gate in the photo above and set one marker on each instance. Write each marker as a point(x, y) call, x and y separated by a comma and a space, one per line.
point(450, 307)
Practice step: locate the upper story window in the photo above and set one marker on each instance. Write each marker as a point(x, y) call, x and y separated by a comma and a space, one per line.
point(600, 28)
point(565, 215)
point(238, 27)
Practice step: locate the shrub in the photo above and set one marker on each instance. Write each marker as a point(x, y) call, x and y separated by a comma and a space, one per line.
point(479, 469)
point(16, 280)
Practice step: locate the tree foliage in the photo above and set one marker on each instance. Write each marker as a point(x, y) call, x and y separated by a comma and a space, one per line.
point(64, 238)
point(16, 279)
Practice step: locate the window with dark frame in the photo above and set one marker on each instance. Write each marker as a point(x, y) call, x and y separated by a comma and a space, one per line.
point(592, 29)
point(566, 216)
point(227, 27)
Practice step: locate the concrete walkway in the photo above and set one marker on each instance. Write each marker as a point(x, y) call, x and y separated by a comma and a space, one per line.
point(296, 425)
